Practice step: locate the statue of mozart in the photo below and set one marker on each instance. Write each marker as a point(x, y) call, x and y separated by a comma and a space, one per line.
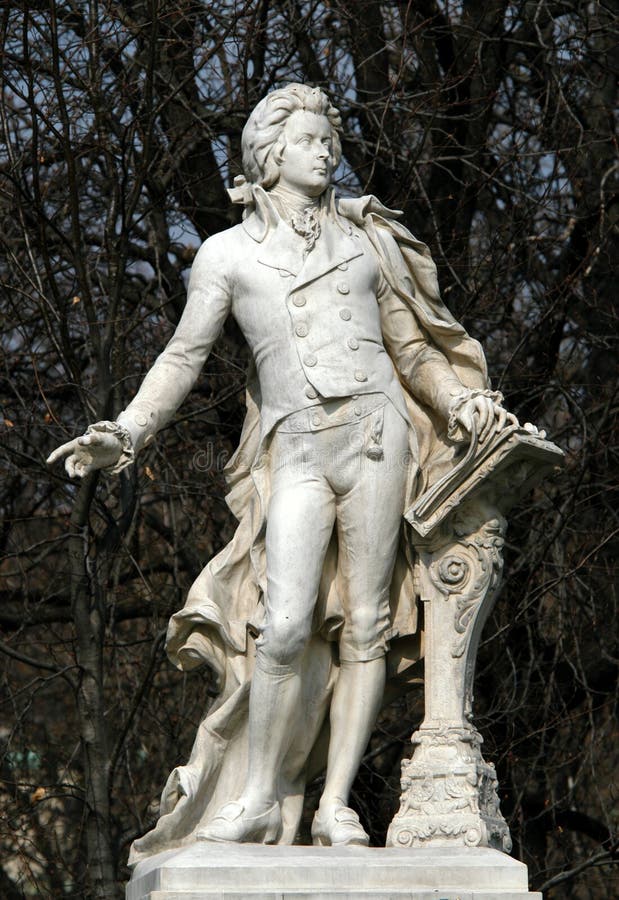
point(363, 390)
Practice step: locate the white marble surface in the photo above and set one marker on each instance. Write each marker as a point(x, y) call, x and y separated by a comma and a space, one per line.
point(205, 871)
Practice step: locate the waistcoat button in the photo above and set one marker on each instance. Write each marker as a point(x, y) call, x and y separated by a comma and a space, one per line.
point(309, 359)
point(353, 343)
point(345, 314)
point(360, 376)
point(299, 300)
point(343, 287)
point(311, 392)
point(301, 330)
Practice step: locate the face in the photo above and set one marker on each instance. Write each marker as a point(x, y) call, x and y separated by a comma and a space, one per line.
point(305, 164)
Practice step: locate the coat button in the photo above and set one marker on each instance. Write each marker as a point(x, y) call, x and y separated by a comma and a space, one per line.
point(316, 420)
point(301, 330)
point(299, 300)
point(309, 359)
point(343, 287)
point(360, 375)
point(311, 392)
point(358, 410)
point(140, 419)
point(345, 314)
point(353, 343)
point(343, 267)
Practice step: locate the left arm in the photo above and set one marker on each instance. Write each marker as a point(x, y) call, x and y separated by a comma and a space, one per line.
point(429, 376)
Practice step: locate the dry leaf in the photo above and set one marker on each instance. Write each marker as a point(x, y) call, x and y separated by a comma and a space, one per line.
point(37, 795)
point(148, 472)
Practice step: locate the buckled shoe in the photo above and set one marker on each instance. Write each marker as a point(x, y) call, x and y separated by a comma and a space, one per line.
point(232, 824)
point(337, 824)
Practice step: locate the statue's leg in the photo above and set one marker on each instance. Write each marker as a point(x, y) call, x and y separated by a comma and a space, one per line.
point(356, 701)
point(369, 510)
point(299, 526)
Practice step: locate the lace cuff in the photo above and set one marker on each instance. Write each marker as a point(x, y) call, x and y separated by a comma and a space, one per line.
point(127, 453)
point(454, 427)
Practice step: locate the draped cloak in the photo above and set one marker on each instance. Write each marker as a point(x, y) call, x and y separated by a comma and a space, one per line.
point(223, 612)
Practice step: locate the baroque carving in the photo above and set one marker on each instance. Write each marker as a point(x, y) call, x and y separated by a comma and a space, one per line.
point(472, 574)
point(449, 793)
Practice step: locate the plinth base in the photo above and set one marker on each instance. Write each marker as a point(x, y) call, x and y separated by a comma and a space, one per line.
point(206, 871)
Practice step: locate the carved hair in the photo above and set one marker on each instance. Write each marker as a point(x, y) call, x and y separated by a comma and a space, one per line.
point(263, 136)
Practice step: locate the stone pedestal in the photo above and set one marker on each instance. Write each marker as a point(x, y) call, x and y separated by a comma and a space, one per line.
point(449, 792)
point(220, 871)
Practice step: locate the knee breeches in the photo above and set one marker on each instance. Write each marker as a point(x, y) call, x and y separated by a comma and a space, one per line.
point(320, 480)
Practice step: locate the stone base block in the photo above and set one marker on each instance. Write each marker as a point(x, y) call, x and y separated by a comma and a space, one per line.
point(205, 871)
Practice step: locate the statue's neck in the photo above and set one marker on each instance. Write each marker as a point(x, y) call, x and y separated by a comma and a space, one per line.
point(289, 203)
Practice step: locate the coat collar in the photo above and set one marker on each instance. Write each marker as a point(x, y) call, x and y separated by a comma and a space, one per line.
point(282, 249)
point(335, 247)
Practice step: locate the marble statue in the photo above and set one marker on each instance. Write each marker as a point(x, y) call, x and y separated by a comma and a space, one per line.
point(363, 393)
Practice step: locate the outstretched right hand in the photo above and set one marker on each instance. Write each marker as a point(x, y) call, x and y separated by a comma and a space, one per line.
point(97, 450)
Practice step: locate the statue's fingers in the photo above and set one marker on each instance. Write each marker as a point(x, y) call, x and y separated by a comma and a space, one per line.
point(80, 463)
point(85, 464)
point(99, 440)
point(465, 419)
point(61, 451)
point(512, 419)
point(93, 439)
point(494, 420)
point(487, 430)
point(484, 420)
point(502, 418)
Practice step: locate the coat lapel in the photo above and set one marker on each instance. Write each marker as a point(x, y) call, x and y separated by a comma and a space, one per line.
point(280, 249)
point(334, 247)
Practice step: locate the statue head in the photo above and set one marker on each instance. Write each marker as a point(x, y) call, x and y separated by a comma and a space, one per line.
point(263, 139)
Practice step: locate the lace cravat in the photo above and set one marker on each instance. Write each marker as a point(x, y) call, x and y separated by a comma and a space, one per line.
point(307, 224)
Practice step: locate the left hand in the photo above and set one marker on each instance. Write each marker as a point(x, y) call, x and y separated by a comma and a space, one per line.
point(489, 416)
